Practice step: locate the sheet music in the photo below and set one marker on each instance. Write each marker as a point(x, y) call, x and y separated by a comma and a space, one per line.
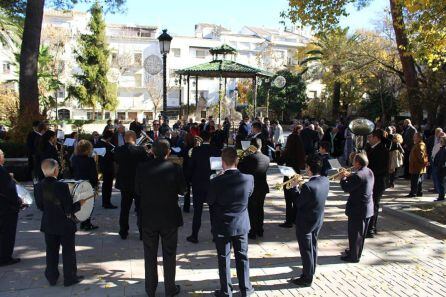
point(245, 144)
point(100, 151)
point(69, 142)
point(60, 134)
point(334, 163)
point(176, 149)
point(286, 171)
point(216, 163)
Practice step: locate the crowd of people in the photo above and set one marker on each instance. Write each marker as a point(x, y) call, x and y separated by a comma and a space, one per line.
point(235, 196)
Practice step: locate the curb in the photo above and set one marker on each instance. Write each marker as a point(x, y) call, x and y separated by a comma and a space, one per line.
point(399, 212)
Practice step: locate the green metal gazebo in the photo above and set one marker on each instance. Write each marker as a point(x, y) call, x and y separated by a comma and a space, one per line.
point(221, 68)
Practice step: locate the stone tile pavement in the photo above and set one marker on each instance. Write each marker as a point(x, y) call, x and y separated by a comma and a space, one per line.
point(403, 260)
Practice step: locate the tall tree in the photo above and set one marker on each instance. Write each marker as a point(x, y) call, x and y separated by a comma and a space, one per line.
point(323, 16)
point(93, 87)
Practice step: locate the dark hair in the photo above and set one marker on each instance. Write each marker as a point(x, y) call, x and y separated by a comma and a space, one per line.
point(41, 127)
point(257, 142)
point(36, 124)
point(43, 142)
point(325, 145)
point(229, 155)
point(107, 134)
point(379, 133)
point(205, 135)
point(294, 153)
point(315, 164)
point(257, 125)
point(160, 148)
point(362, 159)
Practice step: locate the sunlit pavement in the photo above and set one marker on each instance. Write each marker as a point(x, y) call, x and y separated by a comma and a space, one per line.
point(403, 260)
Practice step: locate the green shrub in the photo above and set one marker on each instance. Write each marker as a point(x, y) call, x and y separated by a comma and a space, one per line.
point(13, 149)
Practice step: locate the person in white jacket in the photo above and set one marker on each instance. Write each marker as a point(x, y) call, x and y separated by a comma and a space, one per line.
point(278, 133)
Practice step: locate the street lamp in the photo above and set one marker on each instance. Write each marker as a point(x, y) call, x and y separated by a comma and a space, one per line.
point(164, 42)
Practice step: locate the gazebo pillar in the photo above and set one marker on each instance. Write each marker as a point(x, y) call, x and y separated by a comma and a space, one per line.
point(219, 100)
point(255, 95)
point(196, 94)
point(179, 97)
point(188, 95)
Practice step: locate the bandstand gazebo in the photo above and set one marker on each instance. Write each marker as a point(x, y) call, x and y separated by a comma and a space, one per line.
point(222, 68)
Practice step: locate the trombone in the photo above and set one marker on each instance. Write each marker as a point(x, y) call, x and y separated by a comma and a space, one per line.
point(296, 179)
point(340, 171)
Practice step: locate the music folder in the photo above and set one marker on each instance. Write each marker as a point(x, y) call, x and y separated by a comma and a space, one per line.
point(286, 171)
point(334, 163)
point(216, 163)
point(176, 149)
point(245, 144)
point(69, 142)
point(100, 151)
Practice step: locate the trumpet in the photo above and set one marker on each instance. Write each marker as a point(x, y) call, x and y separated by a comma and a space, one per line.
point(340, 171)
point(249, 151)
point(296, 179)
point(143, 138)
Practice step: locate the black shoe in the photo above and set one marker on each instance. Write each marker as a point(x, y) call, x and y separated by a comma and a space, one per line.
point(286, 225)
point(260, 234)
point(439, 199)
point(252, 236)
point(76, 280)
point(218, 293)
point(123, 235)
point(89, 227)
point(177, 291)
point(420, 195)
point(109, 206)
point(192, 239)
point(301, 282)
point(11, 261)
point(349, 260)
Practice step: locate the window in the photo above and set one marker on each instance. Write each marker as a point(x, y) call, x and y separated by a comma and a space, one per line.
point(61, 93)
point(313, 94)
point(200, 53)
point(137, 57)
point(107, 115)
point(203, 114)
point(176, 52)
point(6, 68)
point(148, 115)
point(121, 116)
point(63, 114)
point(138, 80)
point(90, 115)
point(132, 115)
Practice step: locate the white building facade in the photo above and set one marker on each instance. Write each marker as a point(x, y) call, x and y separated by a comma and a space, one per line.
point(136, 64)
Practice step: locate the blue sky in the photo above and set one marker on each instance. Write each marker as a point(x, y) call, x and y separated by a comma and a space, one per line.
point(180, 16)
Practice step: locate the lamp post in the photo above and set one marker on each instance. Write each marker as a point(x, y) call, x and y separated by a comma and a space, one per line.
point(164, 42)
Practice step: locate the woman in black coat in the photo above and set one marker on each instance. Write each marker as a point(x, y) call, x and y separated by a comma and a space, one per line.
point(292, 156)
point(84, 168)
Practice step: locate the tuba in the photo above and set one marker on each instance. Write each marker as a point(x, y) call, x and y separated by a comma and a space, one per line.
point(360, 128)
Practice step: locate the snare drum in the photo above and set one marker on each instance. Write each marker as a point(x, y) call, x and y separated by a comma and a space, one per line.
point(82, 190)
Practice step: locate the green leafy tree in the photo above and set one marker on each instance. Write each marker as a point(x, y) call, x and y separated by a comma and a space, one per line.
point(289, 100)
point(93, 87)
point(10, 29)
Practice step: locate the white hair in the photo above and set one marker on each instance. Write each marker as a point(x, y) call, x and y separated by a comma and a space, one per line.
point(49, 167)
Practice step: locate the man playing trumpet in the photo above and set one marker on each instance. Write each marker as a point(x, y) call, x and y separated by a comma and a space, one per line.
point(359, 207)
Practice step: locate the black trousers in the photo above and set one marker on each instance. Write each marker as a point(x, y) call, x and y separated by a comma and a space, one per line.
point(256, 212)
point(107, 184)
point(8, 229)
point(378, 190)
point(127, 198)
point(240, 244)
point(186, 205)
point(357, 230)
point(53, 243)
point(416, 184)
point(308, 252)
point(406, 163)
point(199, 197)
point(169, 239)
point(290, 205)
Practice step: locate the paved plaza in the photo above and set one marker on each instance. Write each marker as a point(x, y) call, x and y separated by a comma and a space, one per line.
point(403, 260)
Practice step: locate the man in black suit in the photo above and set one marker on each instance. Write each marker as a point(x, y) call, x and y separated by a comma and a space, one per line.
point(256, 165)
point(10, 204)
point(107, 168)
point(54, 199)
point(136, 127)
point(199, 174)
point(158, 183)
point(228, 201)
point(257, 134)
point(408, 133)
point(309, 218)
point(359, 207)
point(378, 156)
point(310, 138)
point(154, 134)
point(324, 148)
point(128, 157)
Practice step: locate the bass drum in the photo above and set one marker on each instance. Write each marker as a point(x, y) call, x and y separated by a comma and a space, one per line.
point(82, 190)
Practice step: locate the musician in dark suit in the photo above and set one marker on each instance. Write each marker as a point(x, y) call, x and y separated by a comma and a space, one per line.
point(324, 148)
point(228, 201)
point(136, 127)
point(107, 168)
point(10, 204)
point(256, 165)
point(242, 132)
point(54, 199)
point(158, 183)
point(128, 157)
point(84, 168)
point(310, 138)
point(47, 149)
point(257, 134)
point(378, 156)
point(199, 173)
point(359, 207)
point(309, 218)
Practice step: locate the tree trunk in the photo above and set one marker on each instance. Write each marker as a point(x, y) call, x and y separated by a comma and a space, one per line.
point(29, 54)
point(407, 61)
point(336, 99)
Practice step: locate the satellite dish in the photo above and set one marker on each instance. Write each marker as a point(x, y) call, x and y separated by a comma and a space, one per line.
point(153, 64)
point(113, 75)
point(279, 82)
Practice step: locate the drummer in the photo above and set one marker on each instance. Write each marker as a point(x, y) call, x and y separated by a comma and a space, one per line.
point(54, 199)
point(10, 204)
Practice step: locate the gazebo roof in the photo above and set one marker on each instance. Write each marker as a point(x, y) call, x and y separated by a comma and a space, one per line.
point(224, 68)
point(223, 50)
